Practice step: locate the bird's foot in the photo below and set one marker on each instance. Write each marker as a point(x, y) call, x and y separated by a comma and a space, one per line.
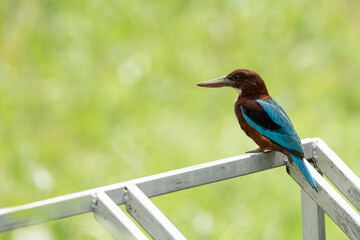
point(259, 150)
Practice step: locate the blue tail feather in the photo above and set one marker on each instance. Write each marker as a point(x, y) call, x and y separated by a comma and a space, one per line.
point(304, 170)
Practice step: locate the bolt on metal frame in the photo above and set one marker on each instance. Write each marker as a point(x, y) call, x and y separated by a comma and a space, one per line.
point(135, 195)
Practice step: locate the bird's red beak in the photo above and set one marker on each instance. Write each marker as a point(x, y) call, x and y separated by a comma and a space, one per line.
point(218, 82)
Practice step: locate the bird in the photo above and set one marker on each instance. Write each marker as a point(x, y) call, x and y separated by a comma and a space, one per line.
point(262, 118)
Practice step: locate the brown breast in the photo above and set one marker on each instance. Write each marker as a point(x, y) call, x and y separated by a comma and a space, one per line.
point(263, 142)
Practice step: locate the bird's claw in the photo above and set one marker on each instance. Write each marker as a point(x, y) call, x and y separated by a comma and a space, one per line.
point(259, 150)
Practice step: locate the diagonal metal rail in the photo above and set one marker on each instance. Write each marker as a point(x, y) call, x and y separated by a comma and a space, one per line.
point(114, 220)
point(135, 195)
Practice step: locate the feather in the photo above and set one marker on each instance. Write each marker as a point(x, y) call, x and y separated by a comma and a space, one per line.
point(284, 136)
point(304, 170)
point(274, 124)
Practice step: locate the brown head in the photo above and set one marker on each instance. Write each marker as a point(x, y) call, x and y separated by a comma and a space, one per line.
point(247, 82)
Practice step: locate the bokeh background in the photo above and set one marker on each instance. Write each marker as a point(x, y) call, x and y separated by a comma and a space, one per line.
point(98, 92)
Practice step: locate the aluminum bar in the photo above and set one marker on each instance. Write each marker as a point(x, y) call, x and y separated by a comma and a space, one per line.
point(114, 220)
point(149, 216)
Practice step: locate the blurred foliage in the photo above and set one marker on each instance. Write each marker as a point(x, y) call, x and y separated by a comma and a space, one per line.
point(98, 92)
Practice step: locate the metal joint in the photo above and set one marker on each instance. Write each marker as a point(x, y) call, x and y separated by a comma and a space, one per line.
point(315, 157)
point(314, 151)
point(126, 195)
point(94, 201)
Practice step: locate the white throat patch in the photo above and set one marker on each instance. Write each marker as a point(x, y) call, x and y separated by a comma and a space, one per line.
point(238, 90)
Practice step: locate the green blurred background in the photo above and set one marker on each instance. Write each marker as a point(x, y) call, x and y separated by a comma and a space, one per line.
point(98, 92)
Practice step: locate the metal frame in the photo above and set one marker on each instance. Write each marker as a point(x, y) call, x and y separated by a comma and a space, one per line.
point(135, 195)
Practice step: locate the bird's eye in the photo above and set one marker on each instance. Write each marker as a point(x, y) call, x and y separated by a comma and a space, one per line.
point(236, 77)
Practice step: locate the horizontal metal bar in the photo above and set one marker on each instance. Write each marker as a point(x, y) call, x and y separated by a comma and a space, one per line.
point(81, 202)
point(114, 220)
point(149, 216)
point(329, 200)
point(338, 172)
point(45, 210)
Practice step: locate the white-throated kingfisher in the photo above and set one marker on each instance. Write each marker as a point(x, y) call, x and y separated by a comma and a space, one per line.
point(263, 119)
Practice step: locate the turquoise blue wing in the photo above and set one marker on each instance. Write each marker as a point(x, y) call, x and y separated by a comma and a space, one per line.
point(284, 134)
